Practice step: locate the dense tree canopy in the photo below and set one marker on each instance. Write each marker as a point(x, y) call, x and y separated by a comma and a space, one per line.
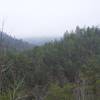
point(68, 69)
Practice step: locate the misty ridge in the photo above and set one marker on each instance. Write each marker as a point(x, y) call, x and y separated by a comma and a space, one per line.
point(9, 42)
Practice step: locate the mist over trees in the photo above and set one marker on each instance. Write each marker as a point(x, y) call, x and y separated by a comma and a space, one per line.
point(67, 69)
point(9, 43)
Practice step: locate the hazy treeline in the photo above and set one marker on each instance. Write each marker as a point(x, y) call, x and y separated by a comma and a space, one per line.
point(68, 69)
point(9, 43)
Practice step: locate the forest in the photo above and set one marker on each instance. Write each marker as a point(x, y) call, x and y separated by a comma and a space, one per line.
point(65, 69)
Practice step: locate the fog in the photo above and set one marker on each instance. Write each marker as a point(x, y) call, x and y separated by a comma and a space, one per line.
point(47, 18)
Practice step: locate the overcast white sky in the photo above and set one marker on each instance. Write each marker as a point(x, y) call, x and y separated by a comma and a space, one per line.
point(32, 18)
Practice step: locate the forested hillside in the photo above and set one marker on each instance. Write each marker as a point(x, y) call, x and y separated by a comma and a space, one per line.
point(68, 69)
point(9, 43)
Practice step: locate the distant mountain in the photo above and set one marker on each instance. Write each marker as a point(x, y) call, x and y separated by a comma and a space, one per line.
point(41, 40)
point(9, 43)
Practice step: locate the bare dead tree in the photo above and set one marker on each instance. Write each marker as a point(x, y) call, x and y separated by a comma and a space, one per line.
point(2, 53)
point(1, 40)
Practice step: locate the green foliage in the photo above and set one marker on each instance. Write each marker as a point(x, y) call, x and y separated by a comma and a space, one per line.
point(75, 59)
point(5, 97)
point(56, 92)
